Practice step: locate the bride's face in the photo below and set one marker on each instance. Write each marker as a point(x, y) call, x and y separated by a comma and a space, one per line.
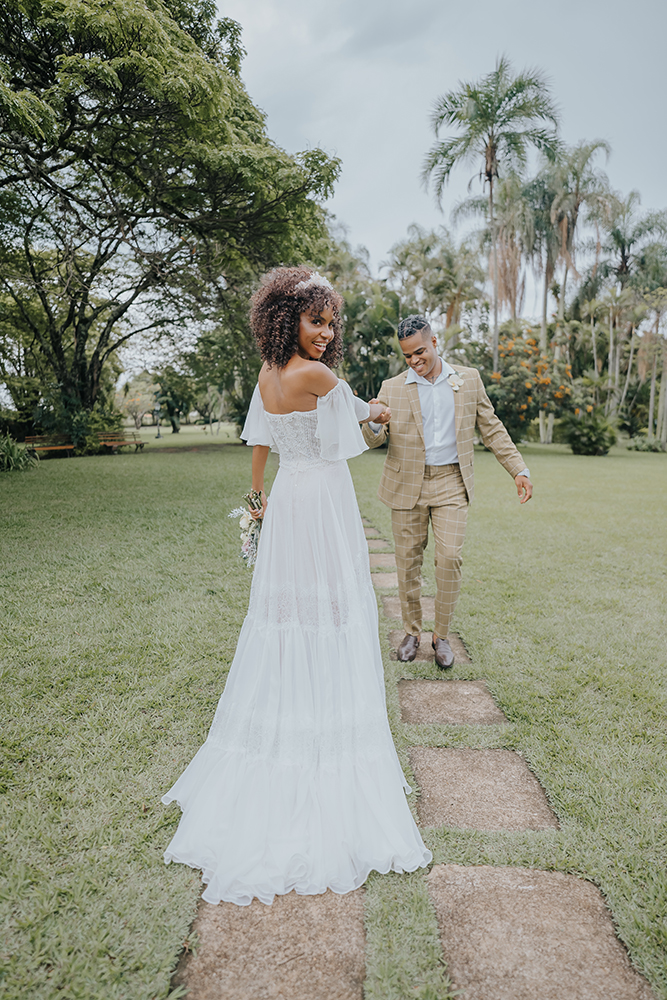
point(316, 331)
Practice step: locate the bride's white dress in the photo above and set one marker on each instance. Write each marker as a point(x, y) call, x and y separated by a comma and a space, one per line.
point(298, 785)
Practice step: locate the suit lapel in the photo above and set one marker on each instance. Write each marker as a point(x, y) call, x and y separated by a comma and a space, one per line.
point(413, 397)
point(458, 405)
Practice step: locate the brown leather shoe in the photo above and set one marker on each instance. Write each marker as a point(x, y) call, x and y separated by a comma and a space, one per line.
point(443, 653)
point(408, 648)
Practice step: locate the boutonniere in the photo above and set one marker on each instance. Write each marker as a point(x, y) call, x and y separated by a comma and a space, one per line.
point(455, 381)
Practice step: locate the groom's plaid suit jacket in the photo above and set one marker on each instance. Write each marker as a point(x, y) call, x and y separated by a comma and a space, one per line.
point(403, 473)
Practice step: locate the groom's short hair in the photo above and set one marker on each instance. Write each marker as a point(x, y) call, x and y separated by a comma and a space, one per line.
point(411, 325)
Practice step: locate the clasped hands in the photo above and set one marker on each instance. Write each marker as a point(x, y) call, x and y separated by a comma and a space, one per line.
point(380, 414)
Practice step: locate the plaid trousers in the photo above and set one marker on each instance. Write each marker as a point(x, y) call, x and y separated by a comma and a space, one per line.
point(444, 501)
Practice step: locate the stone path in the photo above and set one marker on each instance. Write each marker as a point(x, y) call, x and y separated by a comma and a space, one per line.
point(479, 790)
point(523, 934)
point(299, 948)
point(507, 933)
point(454, 703)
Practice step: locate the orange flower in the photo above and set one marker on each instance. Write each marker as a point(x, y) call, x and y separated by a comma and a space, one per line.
point(559, 395)
point(521, 416)
point(577, 411)
point(530, 399)
point(524, 406)
point(589, 409)
point(496, 375)
point(528, 385)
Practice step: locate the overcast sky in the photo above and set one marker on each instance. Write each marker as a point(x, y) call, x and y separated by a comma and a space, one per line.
point(359, 77)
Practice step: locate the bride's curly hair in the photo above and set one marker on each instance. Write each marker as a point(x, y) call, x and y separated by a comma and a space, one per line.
point(276, 309)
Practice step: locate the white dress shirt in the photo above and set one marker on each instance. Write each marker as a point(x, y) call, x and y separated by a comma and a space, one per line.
point(436, 400)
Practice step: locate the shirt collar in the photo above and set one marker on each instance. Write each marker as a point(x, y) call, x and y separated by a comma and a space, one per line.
point(420, 380)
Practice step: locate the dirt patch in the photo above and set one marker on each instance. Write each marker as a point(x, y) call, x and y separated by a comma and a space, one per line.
point(479, 790)
point(425, 651)
point(384, 559)
point(371, 532)
point(385, 581)
point(392, 608)
point(522, 934)
point(298, 948)
point(451, 703)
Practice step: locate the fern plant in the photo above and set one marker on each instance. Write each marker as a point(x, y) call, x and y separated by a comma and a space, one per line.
point(14, 457)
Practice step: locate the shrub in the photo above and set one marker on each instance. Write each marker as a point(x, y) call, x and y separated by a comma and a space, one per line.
point(13, 457)
point(589, 434)
point(643, 444)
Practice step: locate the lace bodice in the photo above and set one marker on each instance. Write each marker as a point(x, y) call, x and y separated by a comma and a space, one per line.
point(295, 438)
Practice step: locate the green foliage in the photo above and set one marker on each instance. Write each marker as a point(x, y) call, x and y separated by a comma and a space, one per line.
point(137, 181)
point(13, 457)
point(436, 276)
point(644, 444)
point(176, 394)
point(370, 318)
point(589, 433)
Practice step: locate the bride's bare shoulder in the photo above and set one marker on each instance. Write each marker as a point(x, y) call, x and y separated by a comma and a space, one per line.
point(315, 377)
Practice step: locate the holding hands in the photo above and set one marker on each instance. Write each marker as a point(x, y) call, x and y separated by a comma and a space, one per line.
point(380, 414)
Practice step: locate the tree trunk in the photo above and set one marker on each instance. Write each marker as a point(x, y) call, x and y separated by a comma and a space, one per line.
point(494, 240)
point(545, 298)
point(662, 405)
point(629, 371)
point(543, 427)
point(595, 351)
point(651, 402)
point(610, 362)
point(550, 428)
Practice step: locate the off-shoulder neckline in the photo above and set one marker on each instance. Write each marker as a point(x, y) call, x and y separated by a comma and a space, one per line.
point(291, 412)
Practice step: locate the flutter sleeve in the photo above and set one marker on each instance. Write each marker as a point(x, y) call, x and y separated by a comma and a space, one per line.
point(256, 428)
point(338, 416)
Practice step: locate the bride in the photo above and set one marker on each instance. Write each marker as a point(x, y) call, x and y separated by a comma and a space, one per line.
point(298, 785)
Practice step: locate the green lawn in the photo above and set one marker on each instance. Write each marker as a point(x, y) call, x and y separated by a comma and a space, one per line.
point(122, 599)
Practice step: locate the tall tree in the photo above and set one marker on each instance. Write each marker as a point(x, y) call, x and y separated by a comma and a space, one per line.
point(137, 180)
point(496, 120)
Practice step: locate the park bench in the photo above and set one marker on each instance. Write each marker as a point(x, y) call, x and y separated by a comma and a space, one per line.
point(118, 439)
point(38, 443)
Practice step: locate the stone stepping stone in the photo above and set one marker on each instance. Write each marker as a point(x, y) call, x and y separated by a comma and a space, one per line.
point(452, 703)
point(479, 790)
point(392, 608)
point(383, 559)
point(425, 651)
point(298, 948)
point(385, 581)
point(376, 544)
point(371, 532)
point(522, 934)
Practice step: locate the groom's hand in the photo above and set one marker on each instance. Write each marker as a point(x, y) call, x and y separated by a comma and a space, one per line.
point(524, 488)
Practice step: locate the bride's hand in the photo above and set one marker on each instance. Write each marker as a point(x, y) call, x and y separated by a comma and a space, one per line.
point(257, 515)
point(380, 414)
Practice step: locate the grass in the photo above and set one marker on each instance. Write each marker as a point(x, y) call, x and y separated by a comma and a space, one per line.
point(564, 612)
point(122, 599)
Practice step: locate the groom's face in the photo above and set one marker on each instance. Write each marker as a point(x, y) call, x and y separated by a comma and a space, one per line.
point(421, 352)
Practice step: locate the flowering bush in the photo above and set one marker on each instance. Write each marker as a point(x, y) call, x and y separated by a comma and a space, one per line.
point(527, 381)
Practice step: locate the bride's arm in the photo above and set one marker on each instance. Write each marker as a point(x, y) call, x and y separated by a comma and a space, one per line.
point(260, 453)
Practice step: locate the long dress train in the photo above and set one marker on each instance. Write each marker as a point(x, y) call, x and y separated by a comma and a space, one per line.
point(298, 785)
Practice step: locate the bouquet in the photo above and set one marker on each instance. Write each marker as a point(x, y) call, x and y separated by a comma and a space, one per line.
point(250, 528)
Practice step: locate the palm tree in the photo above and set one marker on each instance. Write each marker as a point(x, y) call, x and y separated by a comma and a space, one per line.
point(576, 184)
point(436, 275)
point(515, 232)
point(496, 120)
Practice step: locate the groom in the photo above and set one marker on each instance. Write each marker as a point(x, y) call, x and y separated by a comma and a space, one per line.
point(428, 473)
